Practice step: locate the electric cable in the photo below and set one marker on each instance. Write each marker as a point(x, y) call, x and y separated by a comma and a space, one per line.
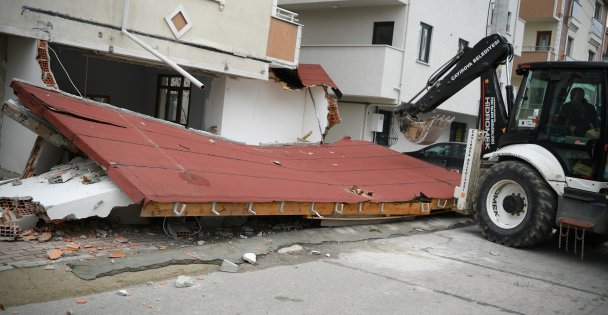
point(64, 70)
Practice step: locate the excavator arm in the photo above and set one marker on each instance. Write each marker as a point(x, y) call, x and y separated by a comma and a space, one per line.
point(479, 61)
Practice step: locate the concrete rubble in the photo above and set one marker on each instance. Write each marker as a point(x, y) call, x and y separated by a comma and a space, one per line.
point(184, 282)
point(291, 249)
point(66, 192)
point(228, 266)
point(250, 258)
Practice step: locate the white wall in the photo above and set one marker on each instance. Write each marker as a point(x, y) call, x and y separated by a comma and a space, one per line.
point(215, 104)
point(16, 141)
point(263, 112)
point(353, 116)
point(350, 26)
point(451, 20)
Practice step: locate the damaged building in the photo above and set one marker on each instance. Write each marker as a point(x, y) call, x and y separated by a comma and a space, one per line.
point(165, 170)
point(94, 49)
point(203, 94)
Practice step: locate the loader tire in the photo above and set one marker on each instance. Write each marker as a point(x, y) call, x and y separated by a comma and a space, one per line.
point(515, 206)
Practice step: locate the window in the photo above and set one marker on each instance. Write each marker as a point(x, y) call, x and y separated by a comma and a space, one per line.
point(597, 14)
point(173, 98)
point(591, 56)
point(508, 29)
point(458, 131)
point(543, 40)
point(563, 109)
point(178, 21)
point(462, 44)
point(569, 43)
point(383, 33)
point(425, 42)
point(388, 136)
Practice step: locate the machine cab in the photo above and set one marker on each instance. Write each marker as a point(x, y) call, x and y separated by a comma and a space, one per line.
point(561, 107)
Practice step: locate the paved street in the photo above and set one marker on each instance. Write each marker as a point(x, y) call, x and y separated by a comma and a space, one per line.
point(447, 271)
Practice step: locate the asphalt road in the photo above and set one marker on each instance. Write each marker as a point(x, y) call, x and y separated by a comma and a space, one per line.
point(443, 272)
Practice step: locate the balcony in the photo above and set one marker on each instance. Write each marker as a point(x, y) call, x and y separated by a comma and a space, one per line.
point(534, 54)
point(540, 10)
point(284, 38)
point(595, 36)
point(363, 72)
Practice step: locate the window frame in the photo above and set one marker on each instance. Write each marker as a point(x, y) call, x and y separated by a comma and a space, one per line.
point(180, 90)
point(460, 44)
point(539, 35)
point(380, 26)
point(597, 11)
point(569, 43)
point(424, 45)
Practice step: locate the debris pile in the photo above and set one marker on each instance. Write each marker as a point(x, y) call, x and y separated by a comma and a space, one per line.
point(19, 214)
point(74, 190)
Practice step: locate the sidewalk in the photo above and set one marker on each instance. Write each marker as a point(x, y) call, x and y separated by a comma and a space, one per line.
point(92, 239)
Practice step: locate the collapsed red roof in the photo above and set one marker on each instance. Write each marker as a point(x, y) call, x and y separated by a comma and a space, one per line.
point(152, 160)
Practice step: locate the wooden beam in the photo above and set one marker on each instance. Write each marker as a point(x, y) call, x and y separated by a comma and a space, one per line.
point(324, 209)
point(18, 112)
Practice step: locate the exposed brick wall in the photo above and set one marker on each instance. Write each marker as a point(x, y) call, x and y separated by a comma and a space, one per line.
point(563, 36)
point(45, 65)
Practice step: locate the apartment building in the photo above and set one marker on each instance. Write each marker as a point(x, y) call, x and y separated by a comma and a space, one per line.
point(381, 53)
point(152, 59)
point(563, 30)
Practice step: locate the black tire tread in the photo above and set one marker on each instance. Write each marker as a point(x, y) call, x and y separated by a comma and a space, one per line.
point(542, 205)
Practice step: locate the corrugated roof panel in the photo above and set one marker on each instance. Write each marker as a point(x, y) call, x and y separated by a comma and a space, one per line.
point(156, 161)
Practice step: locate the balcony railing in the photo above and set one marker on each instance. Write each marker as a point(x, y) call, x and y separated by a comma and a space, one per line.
point(534, 54)
point(376, 74)
point(285, 15)
point(536, 48)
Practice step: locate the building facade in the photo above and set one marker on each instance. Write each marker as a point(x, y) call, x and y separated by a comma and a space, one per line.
point(381, 53)
point(563, 30)
point(112, 52)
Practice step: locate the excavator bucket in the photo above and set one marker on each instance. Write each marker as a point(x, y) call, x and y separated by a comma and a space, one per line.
point(424, 131)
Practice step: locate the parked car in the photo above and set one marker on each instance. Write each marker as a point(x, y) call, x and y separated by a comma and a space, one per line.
point(446, 154)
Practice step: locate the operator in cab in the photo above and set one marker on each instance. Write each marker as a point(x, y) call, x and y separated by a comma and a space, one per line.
point(580, 116)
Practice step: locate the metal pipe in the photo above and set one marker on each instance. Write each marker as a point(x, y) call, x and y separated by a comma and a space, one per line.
point(169, 62)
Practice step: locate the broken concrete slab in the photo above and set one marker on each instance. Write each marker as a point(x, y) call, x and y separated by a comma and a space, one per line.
point(217, 252)
point(72, 199)
point(228, 266)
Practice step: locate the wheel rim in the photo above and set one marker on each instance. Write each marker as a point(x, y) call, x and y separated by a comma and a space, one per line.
point(507, 204)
